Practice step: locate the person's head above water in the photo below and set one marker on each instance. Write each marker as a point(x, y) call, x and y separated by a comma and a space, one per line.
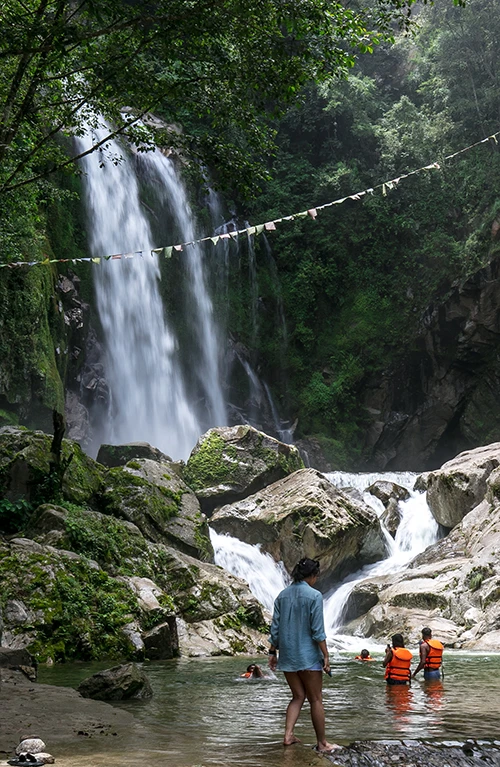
point(251, 667)
point(426, 633)
point(397, 640)
point(364, 654)
point(305, 569)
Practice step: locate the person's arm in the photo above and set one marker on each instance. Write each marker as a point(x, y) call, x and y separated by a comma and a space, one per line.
point(326, 657)
point(424, 651)
point(318, 630)
point(388, 656)
point(273, 637)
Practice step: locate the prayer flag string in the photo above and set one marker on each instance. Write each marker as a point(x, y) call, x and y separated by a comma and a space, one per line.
point(268, 226)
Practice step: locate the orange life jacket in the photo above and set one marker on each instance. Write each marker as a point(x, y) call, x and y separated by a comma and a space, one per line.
point(246, 675)
point(358, 657)
point(434, 656)
point(399, 666)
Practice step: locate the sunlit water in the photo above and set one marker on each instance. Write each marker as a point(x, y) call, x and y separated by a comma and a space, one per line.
point(203, 714)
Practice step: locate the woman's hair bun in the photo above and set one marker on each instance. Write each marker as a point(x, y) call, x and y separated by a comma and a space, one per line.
point(304, 568)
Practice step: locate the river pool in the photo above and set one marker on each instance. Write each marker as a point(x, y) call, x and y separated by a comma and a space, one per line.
point(203, 714)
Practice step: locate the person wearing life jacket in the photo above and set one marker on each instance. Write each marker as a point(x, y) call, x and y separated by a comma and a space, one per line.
point(364, 655)
point(431, 656)
point(397, 662)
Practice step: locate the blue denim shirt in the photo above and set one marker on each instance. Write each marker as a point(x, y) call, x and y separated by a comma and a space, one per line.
point(297, 627)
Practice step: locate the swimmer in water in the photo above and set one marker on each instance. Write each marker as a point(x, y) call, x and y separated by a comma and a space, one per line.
point(253, 672)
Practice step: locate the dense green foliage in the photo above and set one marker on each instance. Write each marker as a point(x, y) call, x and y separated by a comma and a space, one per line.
point(355, 281)
point(215, 69)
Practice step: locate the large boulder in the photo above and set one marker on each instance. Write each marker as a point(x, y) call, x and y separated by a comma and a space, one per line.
point(386, 491)
point(118, 455)
point(118, 683)
point(24, 466)
point(151, 495)
point(230, 463)
point(306, 515)
point(460, 484)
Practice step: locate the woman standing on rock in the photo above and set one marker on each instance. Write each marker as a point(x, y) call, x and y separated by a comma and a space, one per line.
point(298, 632)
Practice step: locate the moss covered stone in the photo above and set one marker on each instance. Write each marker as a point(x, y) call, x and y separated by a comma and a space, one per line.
point(159, 503)
point(25, 463)
point(231, 463)
point(77, 610)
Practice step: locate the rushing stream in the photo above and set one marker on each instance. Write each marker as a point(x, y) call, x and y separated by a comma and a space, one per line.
point(417, 530)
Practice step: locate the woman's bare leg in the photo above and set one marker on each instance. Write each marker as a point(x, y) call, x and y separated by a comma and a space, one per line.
point(312, 681)
point(292, 713)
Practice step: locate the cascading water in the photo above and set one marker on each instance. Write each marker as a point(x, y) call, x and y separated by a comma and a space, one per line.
point(145, 368)
point(199, 313)
point(265, 578)
point(148, 394)
point(417, 530)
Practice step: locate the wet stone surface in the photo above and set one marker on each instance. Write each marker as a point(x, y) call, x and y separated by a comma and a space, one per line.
point(416, 753)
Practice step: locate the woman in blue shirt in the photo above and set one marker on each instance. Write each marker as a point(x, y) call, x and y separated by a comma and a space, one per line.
point(298, 633)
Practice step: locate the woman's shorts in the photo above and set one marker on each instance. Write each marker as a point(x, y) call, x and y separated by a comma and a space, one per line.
point(317, 667)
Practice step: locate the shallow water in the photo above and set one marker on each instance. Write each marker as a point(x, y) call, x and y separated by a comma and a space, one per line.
point(203, 714)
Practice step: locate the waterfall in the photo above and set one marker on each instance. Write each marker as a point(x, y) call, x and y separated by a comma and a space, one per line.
point(265, 578)
point(148, 396)
point(199, 312)
point(145, 368)
point(417, 530)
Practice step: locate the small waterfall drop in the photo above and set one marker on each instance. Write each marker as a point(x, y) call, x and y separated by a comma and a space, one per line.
point(265, 578)
point(417, 530)
point(148, 394)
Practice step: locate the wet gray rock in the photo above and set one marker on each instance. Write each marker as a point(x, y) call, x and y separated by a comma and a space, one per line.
point(306, 515)
point(119, 455)
point(391, 517)
point(118, 683)
point(385, 491)
point(230, 463)
point(162, 642)
point(460, 484)
point(416, 753)
point(18, 660)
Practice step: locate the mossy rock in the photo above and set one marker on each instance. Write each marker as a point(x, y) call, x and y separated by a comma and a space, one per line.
point(25, 462)
point(75, 610)
point(231, 463)
point(119, 455)
point(152, 496)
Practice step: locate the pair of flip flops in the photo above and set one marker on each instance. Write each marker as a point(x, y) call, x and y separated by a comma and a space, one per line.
point(25, 760)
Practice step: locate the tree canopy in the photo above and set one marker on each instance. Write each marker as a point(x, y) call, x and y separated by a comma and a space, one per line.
point(216, 68)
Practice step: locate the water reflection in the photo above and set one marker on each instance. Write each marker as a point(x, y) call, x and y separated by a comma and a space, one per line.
point(202, 713)
point(399, 701)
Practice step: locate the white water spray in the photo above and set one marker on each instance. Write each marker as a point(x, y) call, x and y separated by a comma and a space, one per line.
point(199, 314)
point(417, 530)
point(265, 578)
point(149, 401)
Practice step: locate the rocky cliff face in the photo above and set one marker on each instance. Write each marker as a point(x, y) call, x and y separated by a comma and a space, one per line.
point(443, 396)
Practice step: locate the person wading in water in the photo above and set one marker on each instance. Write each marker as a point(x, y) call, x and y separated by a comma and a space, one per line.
point(298, 632)
point(397, 662)
point(431, 656)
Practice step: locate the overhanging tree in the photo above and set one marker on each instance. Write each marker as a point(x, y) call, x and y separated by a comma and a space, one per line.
point(217, 67)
